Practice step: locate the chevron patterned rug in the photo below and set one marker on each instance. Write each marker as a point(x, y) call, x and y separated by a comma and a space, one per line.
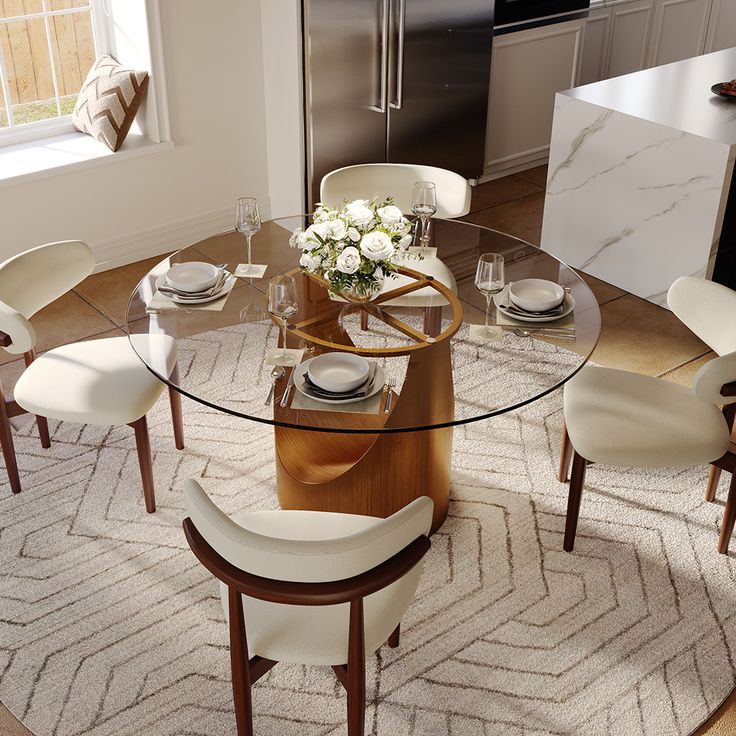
point(110, 626)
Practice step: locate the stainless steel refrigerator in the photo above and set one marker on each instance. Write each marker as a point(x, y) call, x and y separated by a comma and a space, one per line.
point(404, 81)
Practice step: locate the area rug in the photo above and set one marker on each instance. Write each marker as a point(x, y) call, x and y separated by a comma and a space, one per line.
point(110, 626)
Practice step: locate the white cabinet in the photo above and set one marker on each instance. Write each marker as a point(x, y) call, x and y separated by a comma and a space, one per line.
point(679, 30)
point(528, 67)
point(630, 24)
point(722, 26)
point(616, 39)
point(595, 47)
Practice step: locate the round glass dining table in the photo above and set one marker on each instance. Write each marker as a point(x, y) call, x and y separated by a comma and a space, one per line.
point(434, 363)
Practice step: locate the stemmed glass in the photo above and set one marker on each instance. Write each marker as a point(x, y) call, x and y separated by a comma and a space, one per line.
point(283, 303)
point(489, 278)
point(247, 222)
point(424, 205)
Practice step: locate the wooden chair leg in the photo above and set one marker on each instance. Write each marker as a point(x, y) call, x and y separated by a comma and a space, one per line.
point(713, 477)
point(239, 665)
point(143, 445)
point(393, 640)
point(43, 431)
point(729, 517)
point(566, 450)
point(42, 422)
point(356, 670)
point(8, 448)
point(579, 464)
point(176, 414)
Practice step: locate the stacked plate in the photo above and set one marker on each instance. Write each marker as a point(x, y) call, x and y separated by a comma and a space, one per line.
point(195, 282)
point(338, 378)
point(534, 300)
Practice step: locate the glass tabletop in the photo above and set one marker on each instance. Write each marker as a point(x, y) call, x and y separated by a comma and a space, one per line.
point(436, 364)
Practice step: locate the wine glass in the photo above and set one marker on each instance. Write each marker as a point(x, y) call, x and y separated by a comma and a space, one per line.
point(489, 278)
point(424, 205)
point(283, 303)
point(247, 221)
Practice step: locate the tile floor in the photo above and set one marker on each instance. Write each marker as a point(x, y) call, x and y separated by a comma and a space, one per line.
point(636, 335)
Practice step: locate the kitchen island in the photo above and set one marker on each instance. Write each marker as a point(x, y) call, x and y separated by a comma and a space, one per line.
point(640, 188)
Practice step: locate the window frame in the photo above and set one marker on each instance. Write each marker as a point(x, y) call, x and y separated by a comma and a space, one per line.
point(103, 38)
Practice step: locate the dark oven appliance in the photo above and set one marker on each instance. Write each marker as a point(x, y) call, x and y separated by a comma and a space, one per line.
point(536, 12)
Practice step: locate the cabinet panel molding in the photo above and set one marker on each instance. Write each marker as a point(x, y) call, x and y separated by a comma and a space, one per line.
point(528, 68)
point(679, 30)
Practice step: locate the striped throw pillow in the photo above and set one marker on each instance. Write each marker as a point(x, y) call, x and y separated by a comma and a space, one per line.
point(108, 101)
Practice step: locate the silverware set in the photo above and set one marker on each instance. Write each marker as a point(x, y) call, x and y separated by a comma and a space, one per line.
point(568, 332)
point(277, 373)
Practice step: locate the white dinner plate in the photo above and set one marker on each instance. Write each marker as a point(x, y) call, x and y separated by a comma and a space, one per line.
point(299, 381)
point(193, 276)
point(501, 300)
point(226, 288)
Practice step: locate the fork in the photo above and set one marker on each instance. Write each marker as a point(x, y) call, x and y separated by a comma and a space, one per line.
point(390, 385)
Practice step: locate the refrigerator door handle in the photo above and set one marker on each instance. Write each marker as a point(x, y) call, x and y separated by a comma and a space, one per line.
point(382, 70)
point(398, 102)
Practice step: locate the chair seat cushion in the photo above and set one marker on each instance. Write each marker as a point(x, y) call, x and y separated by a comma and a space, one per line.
point(621, 418)
point(318, 634)
point(96, 382)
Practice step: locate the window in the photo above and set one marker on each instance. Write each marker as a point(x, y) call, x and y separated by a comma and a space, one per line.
point(46, 49)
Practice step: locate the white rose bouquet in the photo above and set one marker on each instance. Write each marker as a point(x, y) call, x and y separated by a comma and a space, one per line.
point(355, 248)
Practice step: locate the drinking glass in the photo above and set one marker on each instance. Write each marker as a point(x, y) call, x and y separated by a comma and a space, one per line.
point(283, 303)
point(424, 205)
point(247, 221)
point(489, 278)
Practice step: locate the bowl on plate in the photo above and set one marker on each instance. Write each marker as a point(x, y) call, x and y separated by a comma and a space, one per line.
point(193, 276)
point(338, 372)
point(536, 295)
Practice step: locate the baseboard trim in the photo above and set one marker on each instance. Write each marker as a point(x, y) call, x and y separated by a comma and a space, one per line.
point(514, 165)
point(137, 246)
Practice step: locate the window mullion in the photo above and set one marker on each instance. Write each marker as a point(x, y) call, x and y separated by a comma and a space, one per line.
point(52, 57)
point(6, 89)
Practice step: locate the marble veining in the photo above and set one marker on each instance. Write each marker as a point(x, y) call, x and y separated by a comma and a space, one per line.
point(633, 202)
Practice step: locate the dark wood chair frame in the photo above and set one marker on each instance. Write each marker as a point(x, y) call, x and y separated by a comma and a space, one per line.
point(10, 408)
point(579, 465)
point(247, 670)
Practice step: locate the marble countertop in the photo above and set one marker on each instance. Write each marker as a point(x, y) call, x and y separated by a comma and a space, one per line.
point(676, 95)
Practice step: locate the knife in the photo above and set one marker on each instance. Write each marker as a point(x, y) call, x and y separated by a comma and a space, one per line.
point(287, 390)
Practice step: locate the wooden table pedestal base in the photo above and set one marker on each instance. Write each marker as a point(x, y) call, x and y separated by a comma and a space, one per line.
point(374, 475)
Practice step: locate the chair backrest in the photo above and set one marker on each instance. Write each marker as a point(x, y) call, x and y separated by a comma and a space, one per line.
point(305, 551)
point(365, 181)
point(710, 379)
point(35, 278)
point(708, 309)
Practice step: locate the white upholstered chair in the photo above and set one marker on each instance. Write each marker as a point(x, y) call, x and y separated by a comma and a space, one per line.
point(365, 181)
point(625, 419)
point(93, 382)
point(309, 587)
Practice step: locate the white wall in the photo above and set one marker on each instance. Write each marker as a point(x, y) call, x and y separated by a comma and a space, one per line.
point(282, 71)
point(131, 208)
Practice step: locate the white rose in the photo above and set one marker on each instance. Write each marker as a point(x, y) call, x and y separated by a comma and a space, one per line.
point(390, 215)
point(349, 260)
point(406, 241)
point(377, 246)
point(298, 239)
point(353, 234)
point(320, 229)
point(358, 212)
point(310, 261)
point(337, 229)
